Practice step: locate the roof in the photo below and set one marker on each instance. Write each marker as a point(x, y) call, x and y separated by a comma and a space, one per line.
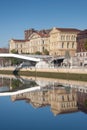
point(68, 29)
point(19, 40)
point(42, 33)
point(4, 50)
point(83, 32)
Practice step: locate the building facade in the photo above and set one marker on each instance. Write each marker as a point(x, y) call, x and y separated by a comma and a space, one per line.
point(38, 42)
point(59, 100)
point(62, 40)
point(81, 40)
point(18, 45)
point(35, 41)
point(56, 41)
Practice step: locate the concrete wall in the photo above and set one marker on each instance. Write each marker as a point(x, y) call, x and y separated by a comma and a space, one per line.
point(56, 70)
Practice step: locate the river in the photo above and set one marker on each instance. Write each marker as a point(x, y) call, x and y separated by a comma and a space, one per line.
point(30, 103)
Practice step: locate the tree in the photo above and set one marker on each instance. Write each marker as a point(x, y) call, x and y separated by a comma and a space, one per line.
point(14, 51)
point(38, 53)
point(67, 55)
point(15, 61)
point(46, 52)
point(85, 45)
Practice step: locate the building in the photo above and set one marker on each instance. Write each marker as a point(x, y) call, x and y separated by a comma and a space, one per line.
point(59, 100)
point(56, 41)
point(62, 40)
point(39, 41)
point(62, 101)
point(81, 40)
point(27, 33)
point(3, 61)
point(4, 50)
point(19, 46)
point(35, 41)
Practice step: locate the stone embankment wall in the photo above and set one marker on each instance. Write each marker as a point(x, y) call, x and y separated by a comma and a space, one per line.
point(60, 70)
point(56, 70)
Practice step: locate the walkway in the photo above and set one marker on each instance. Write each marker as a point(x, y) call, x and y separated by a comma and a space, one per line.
point(19, 56)
point(20, 91)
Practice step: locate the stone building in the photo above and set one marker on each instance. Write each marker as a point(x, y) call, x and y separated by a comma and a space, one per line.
point(59, 100)
point(62, 40)
point(19, 46)
point(81, 40)
point(4, 50)
point(35, 41)
point(38, 42)
point(62, 101)
point(56, 41)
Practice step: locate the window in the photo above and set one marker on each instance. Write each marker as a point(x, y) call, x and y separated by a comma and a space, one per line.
point(62, 98)
point(68, 97)
point(67, 44)
point(43, 49)
point(21, 45)
point(66, 37)
point(16, 45)
point(62, 44)
point(43, 41)
point(69, 38)
point(73, 45)
point(72, 37)
point(63, 37)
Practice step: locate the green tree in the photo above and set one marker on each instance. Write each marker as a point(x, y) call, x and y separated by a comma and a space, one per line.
point(38, 53)
point(15, 61)
point(14, 51)
point(85, 45)
point(85, 103)
point(46, 52)
point(67, 55)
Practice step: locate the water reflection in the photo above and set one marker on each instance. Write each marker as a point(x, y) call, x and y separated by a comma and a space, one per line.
point(60, 95)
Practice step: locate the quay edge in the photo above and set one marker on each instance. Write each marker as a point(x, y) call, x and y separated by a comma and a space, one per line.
point(69, 74)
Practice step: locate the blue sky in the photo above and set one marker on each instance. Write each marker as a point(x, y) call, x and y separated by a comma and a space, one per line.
point(19, 15)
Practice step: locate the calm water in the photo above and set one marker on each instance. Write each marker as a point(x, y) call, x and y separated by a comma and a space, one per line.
point(56, 105)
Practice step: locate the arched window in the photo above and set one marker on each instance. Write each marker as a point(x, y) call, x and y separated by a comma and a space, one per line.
point(72, 37)
point(66, 37)
point(67, 44)
point(62, 98)
point(43, 49)
point(62, 44)
point(61, 37)
point(72, 44)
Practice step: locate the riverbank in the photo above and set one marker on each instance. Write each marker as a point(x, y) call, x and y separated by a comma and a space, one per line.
point(59, 73)
point(43, 79)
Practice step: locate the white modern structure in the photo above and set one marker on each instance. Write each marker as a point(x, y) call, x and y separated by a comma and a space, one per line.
point(20, 91)
point(19, 56)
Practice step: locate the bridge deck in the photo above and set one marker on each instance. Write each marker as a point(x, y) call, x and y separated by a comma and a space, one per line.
point(19, 56)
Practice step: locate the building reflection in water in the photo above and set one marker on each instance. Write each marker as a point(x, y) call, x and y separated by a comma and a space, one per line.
point(61, 98)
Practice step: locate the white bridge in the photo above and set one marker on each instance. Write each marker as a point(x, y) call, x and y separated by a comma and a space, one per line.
point(20, 91)
point(19, 56)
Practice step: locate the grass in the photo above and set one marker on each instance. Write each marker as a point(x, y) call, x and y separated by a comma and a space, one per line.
point(69, 76)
